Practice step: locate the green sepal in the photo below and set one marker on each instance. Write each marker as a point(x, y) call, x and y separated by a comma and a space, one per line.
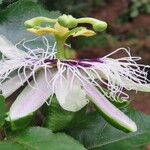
point(19, 123)
point(2, 111)
point(122, 105)
point(112, 121)
point(58, 119)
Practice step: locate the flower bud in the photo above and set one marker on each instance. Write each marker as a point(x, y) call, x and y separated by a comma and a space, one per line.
point(99, 26)
point(67, 21)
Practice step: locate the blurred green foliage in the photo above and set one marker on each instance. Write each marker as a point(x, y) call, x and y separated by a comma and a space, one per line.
point(74, 7)
point(135, 8)
point(102, 40)
point(84, 8)
point(5, 3)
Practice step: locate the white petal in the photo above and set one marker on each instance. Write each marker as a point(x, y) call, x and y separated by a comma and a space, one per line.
point(124, 74)
point(30, 98)
point(143, 87)
point(136, 86)
point(108, 108)
point(8, 49)
point(11, 85)
point(75, 99)
point(71, 98)
point(61, 89)
point(8, 66)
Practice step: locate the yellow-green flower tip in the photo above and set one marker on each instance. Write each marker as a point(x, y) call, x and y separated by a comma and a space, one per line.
point(67, 21)
point(28, 24)
point(84, 32)
point(100, 26)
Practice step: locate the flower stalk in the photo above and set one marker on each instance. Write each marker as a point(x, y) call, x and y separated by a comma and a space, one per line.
point(60, 43)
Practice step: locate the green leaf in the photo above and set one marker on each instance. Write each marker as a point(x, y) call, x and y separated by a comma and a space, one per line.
point(5, 3)
point(96, 134)
point(9, 145)
point(12, 19)
point(2, 111)
point(57, 118)
point(21, 123)
point(38, 138)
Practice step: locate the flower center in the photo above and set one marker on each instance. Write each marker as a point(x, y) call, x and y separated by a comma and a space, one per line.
point(74, 62)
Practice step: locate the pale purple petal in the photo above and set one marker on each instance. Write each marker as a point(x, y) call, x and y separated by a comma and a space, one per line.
point(31, 98)
point(8, 49)
point(8, 66)
point(108, 108)
point(11, 85)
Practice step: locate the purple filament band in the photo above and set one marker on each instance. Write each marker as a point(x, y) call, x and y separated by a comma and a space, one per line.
point(75, 62)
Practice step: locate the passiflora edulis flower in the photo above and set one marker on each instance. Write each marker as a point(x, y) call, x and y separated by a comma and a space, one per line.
point(74, 81)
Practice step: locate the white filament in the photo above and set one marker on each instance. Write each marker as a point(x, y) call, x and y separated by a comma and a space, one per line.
point(116, 74)
point(31, 61)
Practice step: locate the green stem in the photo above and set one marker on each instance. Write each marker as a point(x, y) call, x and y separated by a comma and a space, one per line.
point(87, 20)
point(98, 25)
point(60, 41)
point(37, 21)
